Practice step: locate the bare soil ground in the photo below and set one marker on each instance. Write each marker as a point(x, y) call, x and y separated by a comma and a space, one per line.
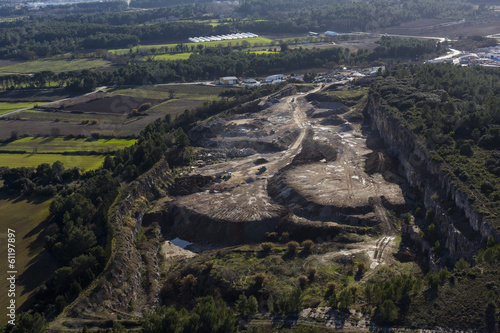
point(315, 171)
point(112, 105)
point(173, 252)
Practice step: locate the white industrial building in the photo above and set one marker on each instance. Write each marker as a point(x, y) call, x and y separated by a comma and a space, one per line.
point(228, 80)
point(251, 82)
point(273, 78)
point(240, 35)
point(331, 33)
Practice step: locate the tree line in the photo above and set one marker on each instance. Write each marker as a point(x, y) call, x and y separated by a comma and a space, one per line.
point(211, 63)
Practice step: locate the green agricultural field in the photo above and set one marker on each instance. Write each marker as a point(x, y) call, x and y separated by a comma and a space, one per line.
point(6, 107)
point(169, 56)
point(257, 41)
point(32, 160)
point(60, 145)
point(57, 66)
point(263, 52)
point(34, 265)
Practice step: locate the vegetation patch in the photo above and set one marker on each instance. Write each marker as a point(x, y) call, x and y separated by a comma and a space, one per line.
point(60, 145)
point(90, 162)
point(56, 66)
point(256, 41)
point(27, 216)
point(6, 107)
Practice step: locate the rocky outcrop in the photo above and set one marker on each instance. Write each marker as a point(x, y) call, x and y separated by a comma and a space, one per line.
point(114, 294)
point(427, 175)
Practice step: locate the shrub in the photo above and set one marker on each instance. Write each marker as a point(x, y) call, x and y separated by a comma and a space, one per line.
point(361, 268)
point(259, 279)
point(188, 282)
point(308, 245)
point(303, 280)
point(429, 215)
point(487, 187)
point(285, 236)
point(418, 212)
point(144, 107)
point(466, 150)
point(292, 246)
point(267, 246)
point(272, 235)
point(388, 311)
point(311, 272)
point(461, 264)
point(331, 287)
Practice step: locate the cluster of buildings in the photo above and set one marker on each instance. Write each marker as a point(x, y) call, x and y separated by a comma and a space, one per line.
point(328, 33)
point(222, 37)
point(484, 57)
point(336, 75)
point(249, 82)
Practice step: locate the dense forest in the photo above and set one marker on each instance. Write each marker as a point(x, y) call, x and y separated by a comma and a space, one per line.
point(350, 16)
point(211, 63)
point(80, 8)
point(456, 110)
point(47, 35)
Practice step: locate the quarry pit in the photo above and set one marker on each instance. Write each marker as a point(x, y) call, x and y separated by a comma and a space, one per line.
point(295, 160)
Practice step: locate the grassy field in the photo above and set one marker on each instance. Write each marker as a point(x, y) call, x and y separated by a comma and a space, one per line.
point(60, 145)
point(12, 106)
point(56, 66)
point(263, 52)
point(33, 264)
point(170, 56)
point(253, 41)
point(186, 55)
point(33, 160)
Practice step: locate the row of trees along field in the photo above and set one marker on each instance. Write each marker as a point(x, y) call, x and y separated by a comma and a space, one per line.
point(456, 110)
point(78, 233)
point(211, 63)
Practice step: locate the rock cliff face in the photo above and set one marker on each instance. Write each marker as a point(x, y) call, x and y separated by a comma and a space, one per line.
point(188, 224)
point(426, 174)
point(117, 292)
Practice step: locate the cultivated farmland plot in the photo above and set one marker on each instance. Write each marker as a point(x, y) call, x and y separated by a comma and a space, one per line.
point(109, 114)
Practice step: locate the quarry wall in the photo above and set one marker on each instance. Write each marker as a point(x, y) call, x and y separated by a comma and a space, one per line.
point(427, 175)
